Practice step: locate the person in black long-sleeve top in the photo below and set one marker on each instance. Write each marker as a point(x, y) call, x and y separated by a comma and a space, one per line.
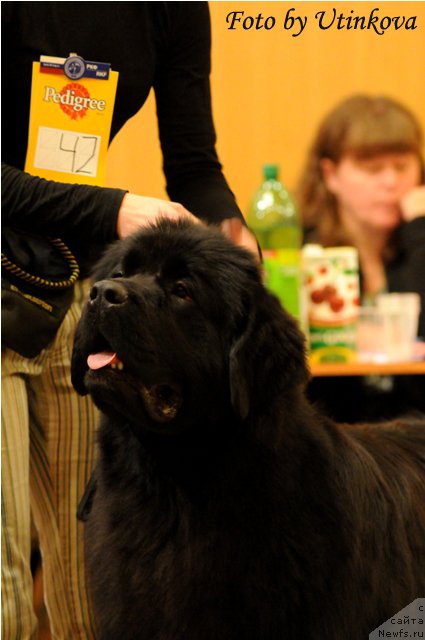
point(48, 429)
point(164, 46)
point(363, 185)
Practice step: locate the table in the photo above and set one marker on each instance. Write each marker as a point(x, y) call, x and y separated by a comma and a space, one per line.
point(356, 368)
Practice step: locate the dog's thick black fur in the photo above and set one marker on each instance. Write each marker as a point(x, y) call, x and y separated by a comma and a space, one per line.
point(226, 508)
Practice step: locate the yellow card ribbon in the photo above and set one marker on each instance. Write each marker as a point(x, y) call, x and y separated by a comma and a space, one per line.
point(70, 120)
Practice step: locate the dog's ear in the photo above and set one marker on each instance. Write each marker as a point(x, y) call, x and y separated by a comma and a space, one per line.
point(267, 357)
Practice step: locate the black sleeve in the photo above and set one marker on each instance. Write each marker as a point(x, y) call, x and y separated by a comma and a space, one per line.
point(408, 273)
point(85, 213)
point(182, 90)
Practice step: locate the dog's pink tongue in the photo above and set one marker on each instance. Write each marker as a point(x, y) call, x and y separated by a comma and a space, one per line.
point(99, 360)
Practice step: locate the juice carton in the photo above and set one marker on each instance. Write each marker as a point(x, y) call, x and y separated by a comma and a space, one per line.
point(331, 289)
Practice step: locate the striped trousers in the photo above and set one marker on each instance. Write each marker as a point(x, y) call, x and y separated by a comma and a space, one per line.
point(47, 458)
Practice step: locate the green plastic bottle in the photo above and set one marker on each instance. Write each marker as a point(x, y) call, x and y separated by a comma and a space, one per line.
point(273, 218)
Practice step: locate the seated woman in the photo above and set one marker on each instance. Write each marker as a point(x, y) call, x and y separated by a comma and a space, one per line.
point(363, 185)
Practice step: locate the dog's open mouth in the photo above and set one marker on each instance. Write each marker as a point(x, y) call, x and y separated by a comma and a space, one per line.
point(104, 359)
point(162, 401)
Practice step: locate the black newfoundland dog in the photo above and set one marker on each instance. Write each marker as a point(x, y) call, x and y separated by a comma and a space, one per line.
point(226, 507)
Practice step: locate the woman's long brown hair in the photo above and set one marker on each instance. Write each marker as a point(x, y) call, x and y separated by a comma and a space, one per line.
point(361, 126)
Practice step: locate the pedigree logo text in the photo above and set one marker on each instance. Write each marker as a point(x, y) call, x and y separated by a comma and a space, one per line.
point(74, 100)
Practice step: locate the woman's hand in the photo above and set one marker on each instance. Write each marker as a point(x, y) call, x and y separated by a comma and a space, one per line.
point(140, 211)
point(238, 233)
point(413, 204)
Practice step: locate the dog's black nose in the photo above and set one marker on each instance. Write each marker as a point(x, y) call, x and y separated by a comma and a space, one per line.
point(110, 291)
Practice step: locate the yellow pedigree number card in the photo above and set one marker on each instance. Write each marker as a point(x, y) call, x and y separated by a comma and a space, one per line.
point(72, 103)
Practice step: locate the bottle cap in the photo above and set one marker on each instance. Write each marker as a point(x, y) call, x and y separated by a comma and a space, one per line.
point(270, 171)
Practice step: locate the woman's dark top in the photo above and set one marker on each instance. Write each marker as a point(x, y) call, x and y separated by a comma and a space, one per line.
point(159, 45)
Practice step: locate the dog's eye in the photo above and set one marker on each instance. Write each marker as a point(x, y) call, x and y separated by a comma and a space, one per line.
point(118, 274)
point(180, 291)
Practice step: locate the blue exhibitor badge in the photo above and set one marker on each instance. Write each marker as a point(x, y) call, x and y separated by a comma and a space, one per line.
point(74, 67)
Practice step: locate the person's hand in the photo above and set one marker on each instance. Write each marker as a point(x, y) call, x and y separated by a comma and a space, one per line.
point(139, 211)
point(413, 204)
point(238, 233)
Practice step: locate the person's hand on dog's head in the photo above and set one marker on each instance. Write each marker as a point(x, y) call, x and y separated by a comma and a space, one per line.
point(140, 211)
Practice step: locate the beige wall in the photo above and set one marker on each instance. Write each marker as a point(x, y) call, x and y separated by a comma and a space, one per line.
point(270, 90)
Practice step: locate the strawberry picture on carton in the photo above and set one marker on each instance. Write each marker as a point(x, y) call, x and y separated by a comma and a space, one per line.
point(331, 284)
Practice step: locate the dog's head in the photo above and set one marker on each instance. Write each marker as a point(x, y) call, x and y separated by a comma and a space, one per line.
point(179, 328)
